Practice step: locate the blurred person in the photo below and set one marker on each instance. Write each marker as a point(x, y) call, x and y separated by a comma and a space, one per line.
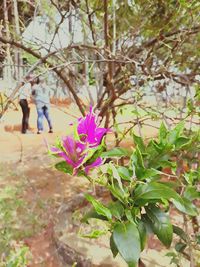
point(41, 94)
point(24, 100)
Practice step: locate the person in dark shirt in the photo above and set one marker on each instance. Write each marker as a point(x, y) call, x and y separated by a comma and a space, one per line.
point(24, 99)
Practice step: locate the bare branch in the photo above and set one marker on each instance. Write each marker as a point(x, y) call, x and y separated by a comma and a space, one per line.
point(45, 60)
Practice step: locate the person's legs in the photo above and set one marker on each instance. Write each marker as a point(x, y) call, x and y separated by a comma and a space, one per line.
point(40, 119)
point(28, 115)
point(25, 111)
point(47, 116)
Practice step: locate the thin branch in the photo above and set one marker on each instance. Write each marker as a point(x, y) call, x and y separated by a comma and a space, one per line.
point(90, 22)
point(151, 42)
point(45, 60)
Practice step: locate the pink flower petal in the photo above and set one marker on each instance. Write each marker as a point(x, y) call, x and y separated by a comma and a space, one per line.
point(89, 131)
point(96, 163)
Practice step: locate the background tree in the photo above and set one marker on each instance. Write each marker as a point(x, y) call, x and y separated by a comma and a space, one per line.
point(128, 49)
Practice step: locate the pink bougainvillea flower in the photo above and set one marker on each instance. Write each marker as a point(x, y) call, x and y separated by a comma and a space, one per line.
point(89, 131)
point(76, 153)
point(72, 151)
point(96, 163)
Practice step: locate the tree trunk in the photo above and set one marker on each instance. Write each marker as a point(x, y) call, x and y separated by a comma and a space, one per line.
point(18, 58)
point(8, 60)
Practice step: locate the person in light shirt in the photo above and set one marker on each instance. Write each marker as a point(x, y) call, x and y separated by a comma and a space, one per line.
point(41, 93)
point(24, 100)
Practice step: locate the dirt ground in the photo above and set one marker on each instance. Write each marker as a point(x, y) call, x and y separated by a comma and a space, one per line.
point(25, 155)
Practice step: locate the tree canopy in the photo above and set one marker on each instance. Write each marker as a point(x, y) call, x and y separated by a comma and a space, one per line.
point(126, 45)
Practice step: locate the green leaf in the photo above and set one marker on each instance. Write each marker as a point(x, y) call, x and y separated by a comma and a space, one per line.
point(92, 214)
point(191, 177)
point(177, 230)
point(137, 158)
point(139, 142)
point(124, 173)
point(143, 234)
point(166, 163)
point(94, 234)
point(127, 240)
point(116, 152)
point(116, 176)
point(157, 191)
point(99, 207)
point(95, 153)
point(162, 133)
point(64, 167)
point(185, 205)
point(151, 150)
point(175, 133)
point(129, 215)
point(179, 247)
point(113, 247)
point(158, 147)
point(181, 142)
point(161, 224)
point(153, 190)
point(116, 209)
point(171, 184)
point(191, 193)
point(147, 223)
point(116, 192)
point(137, 163)
point(147, 173)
